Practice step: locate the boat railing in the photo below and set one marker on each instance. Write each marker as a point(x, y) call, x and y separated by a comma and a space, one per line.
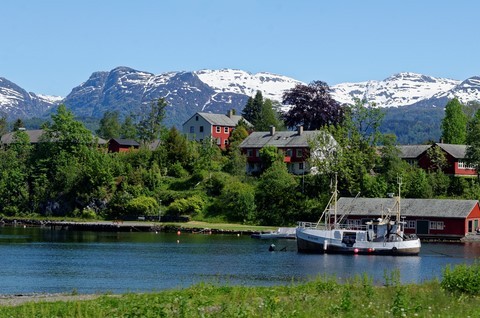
point(343, 226)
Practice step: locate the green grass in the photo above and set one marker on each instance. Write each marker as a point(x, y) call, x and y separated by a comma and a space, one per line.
point(323, 297)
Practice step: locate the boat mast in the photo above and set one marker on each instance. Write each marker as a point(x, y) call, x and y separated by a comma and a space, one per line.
point(335, 198)
point(399, 181)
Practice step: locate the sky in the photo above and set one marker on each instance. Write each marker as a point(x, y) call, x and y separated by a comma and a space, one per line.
point(51, 46)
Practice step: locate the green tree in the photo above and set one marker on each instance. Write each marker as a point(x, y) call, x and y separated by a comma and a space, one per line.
point(437, 158)
point(277, 197)
point(18, 124)
point(269, 155)
point(353, 154)
point(252, 110)
point(454, 124)
point(268, 117)
point(65, 133)
point(260, 113)
point(128, 130)
point(150, 121)
point(109, 125)
point(237, 202)
point(473, 142)
point(3, 125)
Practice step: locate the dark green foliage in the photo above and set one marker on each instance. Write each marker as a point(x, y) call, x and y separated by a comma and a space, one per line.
point(413, 124)
point(260, 113)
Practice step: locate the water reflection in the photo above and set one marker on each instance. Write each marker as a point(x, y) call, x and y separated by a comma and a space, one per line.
point(42, 260)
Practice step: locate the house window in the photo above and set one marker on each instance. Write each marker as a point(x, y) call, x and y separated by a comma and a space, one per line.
point(196, 118)
point(201, 129)
point(410, 224)
point(225, 142)
point(249, 152)
point(300, 165)
point(225, 130)
point(219, 141)
point(436, 225)
point(465, 165)
point(288, 152)
point(299, 153)
point(411, 162)
point(192, 129)
point(218, 129)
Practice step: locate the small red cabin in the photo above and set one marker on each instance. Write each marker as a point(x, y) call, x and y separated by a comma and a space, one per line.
point(122, 145)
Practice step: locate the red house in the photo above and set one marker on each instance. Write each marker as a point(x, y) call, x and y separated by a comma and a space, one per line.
point(454, 155)
point(216, 126)
point(122, 145)
point(428, 218)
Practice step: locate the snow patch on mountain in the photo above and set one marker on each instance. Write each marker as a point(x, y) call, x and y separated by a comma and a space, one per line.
point(240, 82)
point(401, 89)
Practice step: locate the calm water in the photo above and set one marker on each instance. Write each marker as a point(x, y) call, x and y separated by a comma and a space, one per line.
point(35, 260)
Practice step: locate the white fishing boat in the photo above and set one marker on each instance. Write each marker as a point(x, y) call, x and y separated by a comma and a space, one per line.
point(280, 233)
point(383, 236)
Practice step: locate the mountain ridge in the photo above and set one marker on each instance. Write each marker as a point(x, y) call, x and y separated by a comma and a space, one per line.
point(125, 90)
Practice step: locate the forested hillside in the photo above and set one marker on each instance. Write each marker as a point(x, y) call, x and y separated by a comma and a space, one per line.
point(68, 173)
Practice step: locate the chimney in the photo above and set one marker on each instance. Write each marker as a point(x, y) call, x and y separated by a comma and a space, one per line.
point(300, 130)
point(272, 130)
point(230, 113)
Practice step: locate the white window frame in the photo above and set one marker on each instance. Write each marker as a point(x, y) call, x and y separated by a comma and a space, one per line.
point(437, 225)
point(225, 130)
point(464, 165)
point(218, 129)
point(299, 153)
point(411, 224)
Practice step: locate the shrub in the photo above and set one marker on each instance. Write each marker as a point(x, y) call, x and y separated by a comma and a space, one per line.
point(462, 278)
point(142, 205)
point(191, 206)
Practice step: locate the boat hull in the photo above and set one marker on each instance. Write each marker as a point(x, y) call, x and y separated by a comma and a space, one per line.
point(322, 241)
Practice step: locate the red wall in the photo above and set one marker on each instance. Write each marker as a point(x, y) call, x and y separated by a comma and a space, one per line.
point(222, 135)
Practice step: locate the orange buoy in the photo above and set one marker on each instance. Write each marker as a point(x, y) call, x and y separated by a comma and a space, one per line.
point(178, 232)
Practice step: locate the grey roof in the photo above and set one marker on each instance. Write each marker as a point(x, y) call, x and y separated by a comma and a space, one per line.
point(126, 142)
point(221, 119)
point(412, 151)
point(457, 151)
point(33, 135)
point(260, 139)
point(409, 207)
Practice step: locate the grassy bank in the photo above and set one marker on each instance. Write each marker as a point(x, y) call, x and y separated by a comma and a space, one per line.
point(323, 297)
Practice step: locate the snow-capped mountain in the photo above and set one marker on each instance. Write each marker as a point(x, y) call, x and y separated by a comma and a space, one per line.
point(125, 90)
point(15, 102)
point(401, 89)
